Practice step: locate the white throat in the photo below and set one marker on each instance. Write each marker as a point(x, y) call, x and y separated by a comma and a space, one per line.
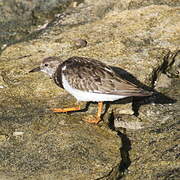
point(48, 71)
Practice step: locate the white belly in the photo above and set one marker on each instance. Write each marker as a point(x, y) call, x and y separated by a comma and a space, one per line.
point(88, 96)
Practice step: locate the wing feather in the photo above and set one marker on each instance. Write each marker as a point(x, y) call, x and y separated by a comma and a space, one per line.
point(94, 76)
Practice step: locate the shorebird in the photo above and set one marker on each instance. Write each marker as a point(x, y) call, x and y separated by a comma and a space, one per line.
point(88, 80)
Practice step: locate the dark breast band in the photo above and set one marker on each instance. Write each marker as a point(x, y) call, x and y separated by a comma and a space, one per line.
point(58, 76)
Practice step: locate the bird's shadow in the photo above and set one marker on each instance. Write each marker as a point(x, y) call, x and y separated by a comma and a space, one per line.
point(156, 97)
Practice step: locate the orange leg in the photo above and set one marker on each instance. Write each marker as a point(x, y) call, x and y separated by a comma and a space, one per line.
point(100, 108)
point(66, 109)
point(96, 119)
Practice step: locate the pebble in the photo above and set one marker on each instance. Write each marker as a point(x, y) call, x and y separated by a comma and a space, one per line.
point(79, 43)
point(18, 133)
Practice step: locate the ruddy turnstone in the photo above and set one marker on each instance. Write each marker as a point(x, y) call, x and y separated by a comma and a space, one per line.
point(88, 80)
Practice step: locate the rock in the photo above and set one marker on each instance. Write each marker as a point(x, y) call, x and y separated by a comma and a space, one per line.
point(19, 18)
point(3, 138)
point(173, 69)
point(156, 146)
point(163, 81)
point(136, 38)
point(69, 150)
point(80, 43)
point(129, 122)
point(154, 152)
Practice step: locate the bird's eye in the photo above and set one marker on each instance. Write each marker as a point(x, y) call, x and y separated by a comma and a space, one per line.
point(45, 64)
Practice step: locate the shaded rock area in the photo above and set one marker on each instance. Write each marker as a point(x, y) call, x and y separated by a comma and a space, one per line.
point(138, 138)
point(21, 17)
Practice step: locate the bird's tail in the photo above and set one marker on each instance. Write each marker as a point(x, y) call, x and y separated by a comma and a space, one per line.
point(142, 92)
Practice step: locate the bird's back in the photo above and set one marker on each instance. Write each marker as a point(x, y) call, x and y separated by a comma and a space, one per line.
point(93, 76)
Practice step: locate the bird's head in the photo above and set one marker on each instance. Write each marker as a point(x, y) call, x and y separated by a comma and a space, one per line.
point(48, 65)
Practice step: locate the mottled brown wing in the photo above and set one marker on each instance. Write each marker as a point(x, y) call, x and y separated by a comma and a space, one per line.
point(94, 76)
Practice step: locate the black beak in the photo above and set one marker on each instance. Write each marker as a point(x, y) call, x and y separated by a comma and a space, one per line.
point(35, 70)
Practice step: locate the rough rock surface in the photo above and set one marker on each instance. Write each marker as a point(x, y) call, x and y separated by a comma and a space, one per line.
point(152, 147)
point(20, 17)
point(140, 39)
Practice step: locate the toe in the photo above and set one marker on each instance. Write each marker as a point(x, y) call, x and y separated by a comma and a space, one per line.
point(92, 119)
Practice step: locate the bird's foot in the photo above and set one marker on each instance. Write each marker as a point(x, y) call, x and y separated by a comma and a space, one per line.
point(92, 119)
point(62, 110)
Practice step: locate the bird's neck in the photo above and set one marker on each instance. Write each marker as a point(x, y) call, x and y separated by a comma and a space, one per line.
point(57, 77)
